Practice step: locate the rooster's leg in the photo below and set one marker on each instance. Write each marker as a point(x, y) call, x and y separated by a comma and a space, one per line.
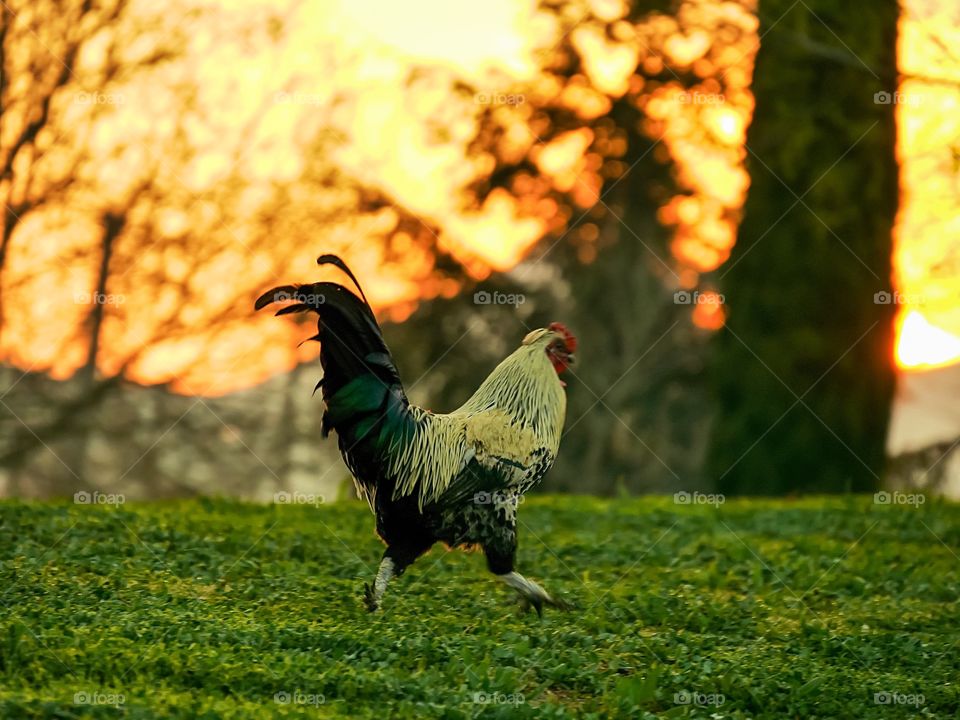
point(373, 593)
point(395, 560)
point(501, 565)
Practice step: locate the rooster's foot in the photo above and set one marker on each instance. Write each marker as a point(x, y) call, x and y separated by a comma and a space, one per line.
point(532, 594)
point(538, 604)
point(370, 598)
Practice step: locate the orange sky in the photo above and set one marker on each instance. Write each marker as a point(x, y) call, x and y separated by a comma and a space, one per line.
point(346, 65)
point(927, 254)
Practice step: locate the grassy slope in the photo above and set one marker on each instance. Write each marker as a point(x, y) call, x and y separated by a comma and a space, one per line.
point(209, 609)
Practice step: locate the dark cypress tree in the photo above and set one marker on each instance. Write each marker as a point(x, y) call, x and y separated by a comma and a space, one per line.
point(803, 373)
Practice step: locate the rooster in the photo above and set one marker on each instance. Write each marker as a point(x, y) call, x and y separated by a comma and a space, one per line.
point(428, 477)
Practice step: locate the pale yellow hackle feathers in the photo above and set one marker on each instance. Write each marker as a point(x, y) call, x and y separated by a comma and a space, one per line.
point(516, 412)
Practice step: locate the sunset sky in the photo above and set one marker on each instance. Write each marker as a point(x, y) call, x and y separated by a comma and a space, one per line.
point(274, 76)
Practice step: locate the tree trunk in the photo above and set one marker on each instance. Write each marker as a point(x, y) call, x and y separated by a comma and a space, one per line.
point(78, 458)
point(803, 372)
point(112, 227)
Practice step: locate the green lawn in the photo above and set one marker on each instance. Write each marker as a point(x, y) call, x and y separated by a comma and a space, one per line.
point(759, 609)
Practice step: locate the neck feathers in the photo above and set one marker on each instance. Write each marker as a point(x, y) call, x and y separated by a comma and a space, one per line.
point(526, 387)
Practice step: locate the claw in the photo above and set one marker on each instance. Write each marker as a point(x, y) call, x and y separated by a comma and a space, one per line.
point(532, 594)
point(538, 606)
point(370, 598)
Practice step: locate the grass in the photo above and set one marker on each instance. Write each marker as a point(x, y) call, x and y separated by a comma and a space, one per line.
point(218, 609)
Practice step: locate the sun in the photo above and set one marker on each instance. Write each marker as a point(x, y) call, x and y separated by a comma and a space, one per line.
point(921, 345)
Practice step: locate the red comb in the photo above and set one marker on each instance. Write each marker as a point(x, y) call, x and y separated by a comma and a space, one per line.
point(561, 329)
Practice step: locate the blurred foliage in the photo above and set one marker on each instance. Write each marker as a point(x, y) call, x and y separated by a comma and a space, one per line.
point(596, 146)
point(209, 609)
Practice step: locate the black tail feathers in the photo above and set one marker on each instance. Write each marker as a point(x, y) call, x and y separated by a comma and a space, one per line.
point(309, 297)
point(306, 297)
point(351, 343)
point(331, 259)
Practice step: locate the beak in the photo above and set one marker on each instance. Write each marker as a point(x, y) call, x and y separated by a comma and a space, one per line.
point(571, 359)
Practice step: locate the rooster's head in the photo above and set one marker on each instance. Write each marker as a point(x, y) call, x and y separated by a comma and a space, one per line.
point(558, 343)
